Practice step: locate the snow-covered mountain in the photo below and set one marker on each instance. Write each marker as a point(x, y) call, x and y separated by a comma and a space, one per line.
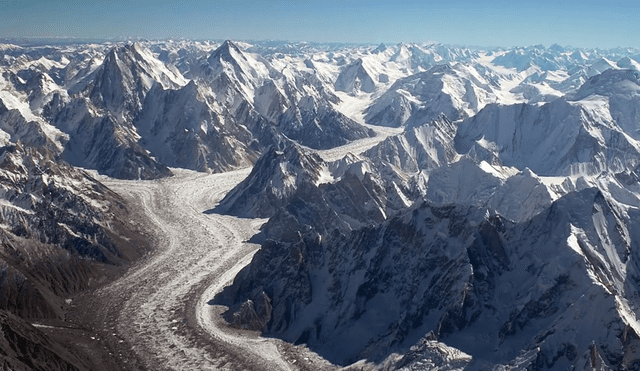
point(622, 88)
point(519, 251)
point(186, 128)
point(294, 100)
point(557, 138)
point(99, 105)
point(495, 228)
point(454, 270)
point(425, 147)
point(96, 95)
point(300, 191)
point(456, 91)
point(355, 78)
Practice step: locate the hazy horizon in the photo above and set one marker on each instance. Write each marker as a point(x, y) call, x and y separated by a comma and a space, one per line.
point(585, 24)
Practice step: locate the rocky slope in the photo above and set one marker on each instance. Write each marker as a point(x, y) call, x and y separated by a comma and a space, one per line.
point(519, 251)
point(24, 348)
point(63, 232)
point(451, 269)
point(299, 191)
point(495, 229)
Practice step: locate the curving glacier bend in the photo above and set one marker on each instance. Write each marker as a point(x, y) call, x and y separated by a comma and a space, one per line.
point(414, 206)
point(195, 250)
point(197, 256)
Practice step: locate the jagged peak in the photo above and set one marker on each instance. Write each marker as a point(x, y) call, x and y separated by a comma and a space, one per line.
point(442, 69)
point(136, 45)
point(225, 52)
point(277, 174)
point(112, 55)
point(291, 153)
point(628, 63)
point(119, 54)
point(228, 44)
point(130, 51)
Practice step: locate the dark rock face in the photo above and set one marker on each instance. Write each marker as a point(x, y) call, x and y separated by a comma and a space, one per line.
point(181, 129)
point(446, 269)
point(250, 315)
point(23, 347)
point(111, 153)
point(299, 191)
point(426, 147)
point(61, 225)
point(62, 233)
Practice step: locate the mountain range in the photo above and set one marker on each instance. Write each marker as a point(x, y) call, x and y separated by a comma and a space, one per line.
point(490, 223)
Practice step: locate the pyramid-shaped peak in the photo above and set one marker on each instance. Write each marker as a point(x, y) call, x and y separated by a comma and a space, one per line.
point(295, 155)
point(628, 63)
point(355, 78)
point(227, 47)
point(441, 69)
point(227, 51)
point(229, 44)
point(133, 46)
point(579, 55)
point(137, 48)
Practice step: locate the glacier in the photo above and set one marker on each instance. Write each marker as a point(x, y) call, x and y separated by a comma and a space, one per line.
point(375, 207)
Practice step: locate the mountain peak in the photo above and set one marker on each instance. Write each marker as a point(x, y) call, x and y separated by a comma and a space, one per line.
point(381, 48)
point(229, 44)
point(231, 60)
point(226, 52)
point(355, 78)
point(276, 176)
point(628, 63)
point(111, 56)
point(611, 82)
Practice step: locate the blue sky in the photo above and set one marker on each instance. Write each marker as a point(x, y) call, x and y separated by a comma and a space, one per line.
point(480, 23)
